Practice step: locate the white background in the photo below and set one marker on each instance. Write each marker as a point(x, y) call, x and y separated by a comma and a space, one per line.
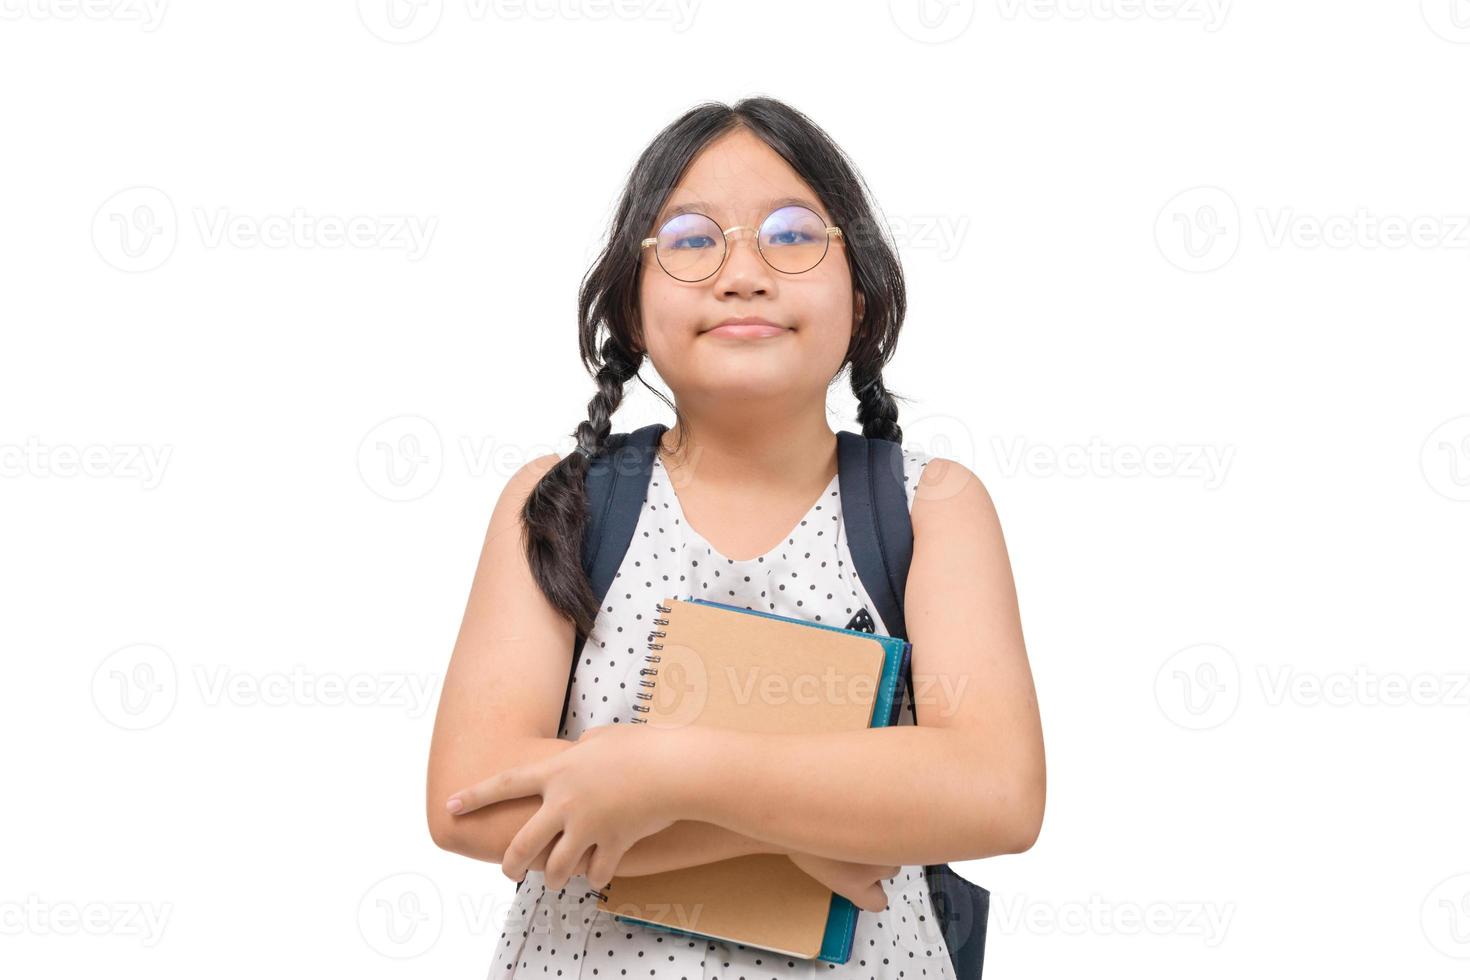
point(1187, 286)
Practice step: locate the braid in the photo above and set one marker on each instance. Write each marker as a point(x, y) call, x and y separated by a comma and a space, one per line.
point(555, 512)
point(618, 367)
point(877, 409)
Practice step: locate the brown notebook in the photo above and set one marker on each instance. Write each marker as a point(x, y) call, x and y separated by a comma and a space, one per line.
point(728, 667)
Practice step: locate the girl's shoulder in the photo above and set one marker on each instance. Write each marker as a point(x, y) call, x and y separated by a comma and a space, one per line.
point(945, 493)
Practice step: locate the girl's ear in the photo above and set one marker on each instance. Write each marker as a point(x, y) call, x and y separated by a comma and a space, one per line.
point(859, 305)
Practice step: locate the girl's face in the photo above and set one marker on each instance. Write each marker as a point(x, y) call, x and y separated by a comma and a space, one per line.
point(735, 180)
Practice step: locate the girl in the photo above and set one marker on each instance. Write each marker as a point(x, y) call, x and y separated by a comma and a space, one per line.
point(743, 262)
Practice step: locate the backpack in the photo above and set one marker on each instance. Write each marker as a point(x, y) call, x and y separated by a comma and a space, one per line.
point(879, 535)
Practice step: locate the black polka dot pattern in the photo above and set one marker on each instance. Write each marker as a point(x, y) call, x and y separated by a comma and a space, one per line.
point(808, 575)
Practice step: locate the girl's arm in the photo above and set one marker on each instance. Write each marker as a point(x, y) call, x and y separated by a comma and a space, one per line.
point(684, 844)
point(501, 699)
point(968, 781)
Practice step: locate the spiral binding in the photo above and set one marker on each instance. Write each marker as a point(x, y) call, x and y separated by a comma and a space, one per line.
point(650, 672)
point(647, 674)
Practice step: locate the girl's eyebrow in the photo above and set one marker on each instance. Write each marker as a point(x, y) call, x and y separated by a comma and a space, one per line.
point(704, 207)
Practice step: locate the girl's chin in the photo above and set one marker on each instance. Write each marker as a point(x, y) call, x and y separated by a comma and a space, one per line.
point(750, 380)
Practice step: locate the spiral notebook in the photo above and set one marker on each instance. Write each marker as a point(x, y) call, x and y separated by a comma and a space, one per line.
point(726, 666)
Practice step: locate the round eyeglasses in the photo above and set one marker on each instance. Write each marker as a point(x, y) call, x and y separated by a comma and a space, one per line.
point(691, 247)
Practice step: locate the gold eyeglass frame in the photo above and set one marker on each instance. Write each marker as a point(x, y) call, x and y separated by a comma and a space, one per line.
point(832, 231)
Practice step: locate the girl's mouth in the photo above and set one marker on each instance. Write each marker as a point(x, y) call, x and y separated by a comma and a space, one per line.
point(747, 328)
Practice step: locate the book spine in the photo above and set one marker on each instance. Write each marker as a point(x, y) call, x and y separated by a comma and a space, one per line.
point(905, 684)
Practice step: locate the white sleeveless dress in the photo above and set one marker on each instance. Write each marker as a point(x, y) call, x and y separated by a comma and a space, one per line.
point(561, 934)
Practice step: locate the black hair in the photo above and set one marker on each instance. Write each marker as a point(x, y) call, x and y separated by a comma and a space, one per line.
point(555, 511)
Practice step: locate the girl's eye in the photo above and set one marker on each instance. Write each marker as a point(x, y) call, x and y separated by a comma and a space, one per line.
point(693, 241)
point(789, 237)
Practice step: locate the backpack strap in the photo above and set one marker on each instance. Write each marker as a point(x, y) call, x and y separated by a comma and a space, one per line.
point(875, 513)
point(617, 483)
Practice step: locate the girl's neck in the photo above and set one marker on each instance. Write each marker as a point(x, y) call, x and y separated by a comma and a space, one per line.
point(735, 448)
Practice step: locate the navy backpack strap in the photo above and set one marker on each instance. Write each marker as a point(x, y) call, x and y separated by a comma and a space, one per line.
point(875, 513)
point(617, 485)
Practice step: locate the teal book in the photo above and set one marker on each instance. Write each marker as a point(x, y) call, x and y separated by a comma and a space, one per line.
point(710, 663)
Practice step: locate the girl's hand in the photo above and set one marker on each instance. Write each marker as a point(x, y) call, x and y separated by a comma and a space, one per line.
point(595, 796)
point(859, 883)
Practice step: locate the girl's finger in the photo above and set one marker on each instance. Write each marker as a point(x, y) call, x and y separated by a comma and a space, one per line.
point(565, 858)
point(872, 898)
point(510, 784)
point(604, 864)
point(530, 841)
point(541, 859)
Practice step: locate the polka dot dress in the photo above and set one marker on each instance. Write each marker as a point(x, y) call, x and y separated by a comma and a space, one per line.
point(809, 575)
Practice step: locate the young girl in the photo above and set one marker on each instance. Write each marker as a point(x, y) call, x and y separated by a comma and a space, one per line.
point(743, 262)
